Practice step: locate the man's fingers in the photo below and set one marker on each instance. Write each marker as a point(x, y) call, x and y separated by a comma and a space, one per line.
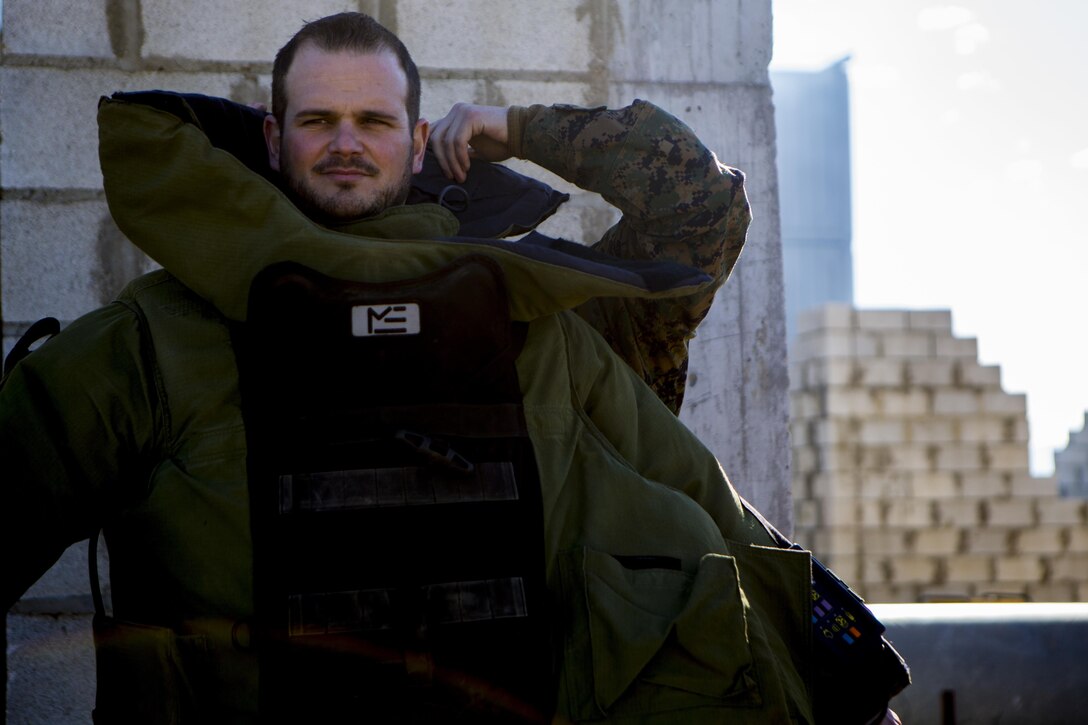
point(455, 137)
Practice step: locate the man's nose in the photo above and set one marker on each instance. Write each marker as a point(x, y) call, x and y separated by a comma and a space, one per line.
point(346, 140)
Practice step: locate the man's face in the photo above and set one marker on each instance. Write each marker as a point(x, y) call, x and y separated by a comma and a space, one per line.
point(345, 148)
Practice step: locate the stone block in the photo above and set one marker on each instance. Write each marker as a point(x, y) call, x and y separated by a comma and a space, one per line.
point(1042, 539)
point(56, 28)
point(871, 513)
point(871, 570)
point(910, 512)
point(837, 512)
point(799, 433)
point(833, 432)
point(1010, 512)
point(1060, 511)
point(68, 270)
point(959, 512)
point(834, 483)
point(806, 514)
point(981, 429)
point(947, 592)
point(838, 458)
point(936, 320)
point(902, 402)
point(908, 344)
point(805, 405)
point(879, 372)
point(506, 35)
point(702, 40)
point(882, 320)
point(867, 345)
point(956, 347)
point(958, 457)
point(989, 540)
point(931, 430)
point(832, 371)
point(829, 344)
point(1010, 457)
point(797, 371)
point(984, 484)
point(1052, 592)
point(831, 316)
point(849, 403)
point(805, 460)
point(934, 485)
point(906, 458)
point(953, 401)
point(50, 143)
point(939, 541)
point(505, 92)
point(1025, 484)
point(913, 569)
point(826, 543)
point(1078, 539)
point(1018, 569)
point(889, 592)
point(980, 376)
point(886, 485)
point(929, 372)
point(883, 542)
point(881, 432)
point(996, 401)
point(1015, 430)
point(846, 567)
point(969, 568)
point(234, 32)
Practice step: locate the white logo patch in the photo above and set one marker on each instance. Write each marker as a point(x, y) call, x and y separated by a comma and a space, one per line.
point(395, 319)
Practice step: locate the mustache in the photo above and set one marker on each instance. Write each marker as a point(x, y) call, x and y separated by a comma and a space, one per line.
point(350, 162)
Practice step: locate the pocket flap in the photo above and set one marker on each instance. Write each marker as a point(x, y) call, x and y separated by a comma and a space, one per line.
point(668, 628)
point(631, 613)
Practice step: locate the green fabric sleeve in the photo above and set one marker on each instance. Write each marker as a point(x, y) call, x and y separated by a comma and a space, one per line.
point(643, 432)
point(78, 420)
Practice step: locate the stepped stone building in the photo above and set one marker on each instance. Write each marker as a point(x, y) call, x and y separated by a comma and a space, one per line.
point(910, 466)
point(1071, 464)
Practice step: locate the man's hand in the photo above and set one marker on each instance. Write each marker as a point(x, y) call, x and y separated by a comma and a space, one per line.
point(469, 132)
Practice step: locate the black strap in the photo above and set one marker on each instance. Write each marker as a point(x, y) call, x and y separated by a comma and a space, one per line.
point(43, 329)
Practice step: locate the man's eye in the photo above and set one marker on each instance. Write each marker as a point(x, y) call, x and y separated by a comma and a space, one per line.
point(315, 122)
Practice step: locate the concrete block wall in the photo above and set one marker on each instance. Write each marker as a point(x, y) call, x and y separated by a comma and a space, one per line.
point(61, 255)
point(910, 474)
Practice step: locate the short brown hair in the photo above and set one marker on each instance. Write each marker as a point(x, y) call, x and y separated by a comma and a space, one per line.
point(355, 32)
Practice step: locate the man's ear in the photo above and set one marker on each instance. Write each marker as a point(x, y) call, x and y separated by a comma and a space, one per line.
point(420, 134)
point(272, 139)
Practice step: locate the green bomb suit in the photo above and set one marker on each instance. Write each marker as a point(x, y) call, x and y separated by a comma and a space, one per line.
point(131, 420)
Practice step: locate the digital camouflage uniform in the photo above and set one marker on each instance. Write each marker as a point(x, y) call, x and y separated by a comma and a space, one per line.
point(675, 207)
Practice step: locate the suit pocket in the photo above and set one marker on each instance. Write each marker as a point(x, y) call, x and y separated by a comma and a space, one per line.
point(648, 640)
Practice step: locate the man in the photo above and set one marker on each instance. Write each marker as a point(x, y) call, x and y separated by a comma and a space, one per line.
point(666, 601)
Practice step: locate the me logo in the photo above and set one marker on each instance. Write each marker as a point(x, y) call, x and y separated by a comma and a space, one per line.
point(395, 319)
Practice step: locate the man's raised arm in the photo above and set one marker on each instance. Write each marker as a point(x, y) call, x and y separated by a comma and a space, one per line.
point(678, 203)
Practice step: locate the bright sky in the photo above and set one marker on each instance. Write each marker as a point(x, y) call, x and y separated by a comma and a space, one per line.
point(970, 176)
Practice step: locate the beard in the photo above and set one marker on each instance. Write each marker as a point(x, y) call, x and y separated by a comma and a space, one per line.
point(347, 202)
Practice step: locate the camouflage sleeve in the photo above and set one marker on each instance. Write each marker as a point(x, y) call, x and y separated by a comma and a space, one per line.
point(678, 203)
